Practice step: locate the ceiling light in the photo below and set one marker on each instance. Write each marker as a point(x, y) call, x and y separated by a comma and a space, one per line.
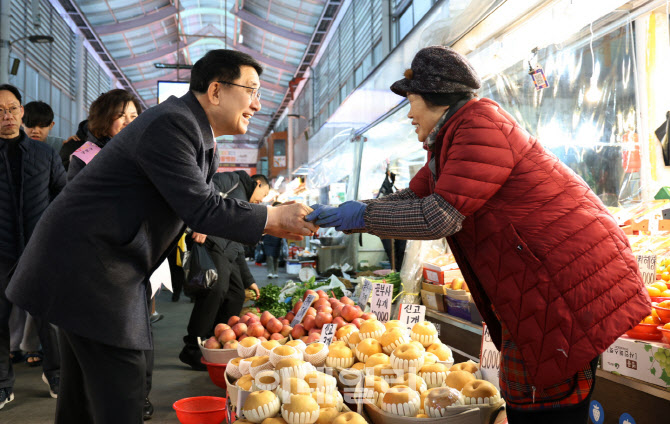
point(172, 66)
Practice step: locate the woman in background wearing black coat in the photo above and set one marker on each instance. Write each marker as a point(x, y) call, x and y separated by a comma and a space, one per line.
point(272, 249)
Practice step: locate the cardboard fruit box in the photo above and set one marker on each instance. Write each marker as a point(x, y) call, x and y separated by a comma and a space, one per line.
point(433, 301)
point(640, 360)
point(440, 275)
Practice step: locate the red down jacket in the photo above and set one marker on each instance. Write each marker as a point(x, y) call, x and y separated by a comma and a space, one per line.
point(536, 243)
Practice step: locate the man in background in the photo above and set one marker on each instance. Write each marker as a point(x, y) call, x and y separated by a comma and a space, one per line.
point(226, 298)
point(31, 175)
point(38, 121)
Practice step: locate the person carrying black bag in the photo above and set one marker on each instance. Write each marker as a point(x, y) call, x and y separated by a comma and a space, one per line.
point(226, 296)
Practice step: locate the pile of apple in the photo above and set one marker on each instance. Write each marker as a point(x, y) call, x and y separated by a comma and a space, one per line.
point(325, 310)
point(265, 327)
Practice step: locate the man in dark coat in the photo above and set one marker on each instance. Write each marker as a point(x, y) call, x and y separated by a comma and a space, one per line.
point(86, 265)
point(31, 175)
point(226, 297)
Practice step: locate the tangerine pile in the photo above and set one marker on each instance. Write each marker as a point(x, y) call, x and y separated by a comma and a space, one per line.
point(659, 289)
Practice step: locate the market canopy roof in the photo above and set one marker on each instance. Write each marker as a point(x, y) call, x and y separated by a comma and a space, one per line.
point(133, 36)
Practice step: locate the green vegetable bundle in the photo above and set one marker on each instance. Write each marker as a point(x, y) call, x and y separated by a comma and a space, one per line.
point(269, 301)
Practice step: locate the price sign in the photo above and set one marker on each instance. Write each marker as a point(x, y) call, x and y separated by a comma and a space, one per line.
point(412, 314)
point(327, 334)
point(303, 310)
point(380, 304)
point(647, 265)
point(489, 358)
point(365, 293)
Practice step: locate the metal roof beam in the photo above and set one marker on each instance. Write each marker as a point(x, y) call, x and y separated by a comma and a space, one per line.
point(330, 11)
point(264, 25)
point(131, 24)
point(151, 83)
point(78, 17)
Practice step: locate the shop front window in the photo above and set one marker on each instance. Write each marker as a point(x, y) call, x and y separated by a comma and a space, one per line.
point(587, 115)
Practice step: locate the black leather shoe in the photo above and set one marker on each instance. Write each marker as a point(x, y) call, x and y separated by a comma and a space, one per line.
point(148, 410)
point(192, 358)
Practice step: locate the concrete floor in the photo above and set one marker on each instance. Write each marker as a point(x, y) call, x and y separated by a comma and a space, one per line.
point(172, 380)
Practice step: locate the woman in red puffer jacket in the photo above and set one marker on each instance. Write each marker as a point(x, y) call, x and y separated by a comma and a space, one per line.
point(550, 270)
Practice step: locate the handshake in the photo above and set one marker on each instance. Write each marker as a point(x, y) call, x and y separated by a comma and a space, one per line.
point(295, 220)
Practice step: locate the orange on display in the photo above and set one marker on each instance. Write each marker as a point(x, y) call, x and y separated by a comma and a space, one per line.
point(653, 291)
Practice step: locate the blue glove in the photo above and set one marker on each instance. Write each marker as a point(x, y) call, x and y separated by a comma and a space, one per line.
point(318, 208)
point(348, 216)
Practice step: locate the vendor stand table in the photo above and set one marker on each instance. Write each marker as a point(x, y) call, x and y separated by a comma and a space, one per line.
point(617, 394)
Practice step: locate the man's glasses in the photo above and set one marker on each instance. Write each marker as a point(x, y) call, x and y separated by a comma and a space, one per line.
point(255, 92)
point(13, 110)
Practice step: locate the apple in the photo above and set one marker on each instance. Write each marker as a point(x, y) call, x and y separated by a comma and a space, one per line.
point(256, 330)
point(244, 319)
point(242, 337)
point(308, 292)
point(276, 336)
point(274, 325)
point(253, 319)
point(286, 330)
point(347, 301)
point(326, 309)
point(289, 317)
point(240, 328)
point(212, 343)
point(266, 317)
point(357, 322)
point(233, 320)
point(297, 306)
point(219, 329)
point(227, 335)
point(339, 321)
point(332, 301)
point(232, 344)
point(266, 334)
point(311, 311)
point(337, 311)
point(285, 321)
point(322, 294)
point(309, 322)
point(323, 318)
point(262, 339)
point(305, 339)
point(298, 331)
point(350, 313)
point(320, 302)
point(369, 315)
point(314, 330)
point(314, 337)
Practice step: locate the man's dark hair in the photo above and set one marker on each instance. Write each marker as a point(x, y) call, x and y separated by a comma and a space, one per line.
point(104, 110)
point(443, 99)
point(220, 65)
point(11, 89)
point(37, 114)
point(260, 178)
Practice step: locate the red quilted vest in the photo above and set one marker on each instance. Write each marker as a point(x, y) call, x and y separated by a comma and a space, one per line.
point(536, 243)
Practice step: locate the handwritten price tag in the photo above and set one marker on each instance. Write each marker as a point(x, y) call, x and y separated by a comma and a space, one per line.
point(365, 293)
point(412, 314)
point(303, 310)
point(381, 301)
point(647, 265)
point(327, 334)
point(489, 359)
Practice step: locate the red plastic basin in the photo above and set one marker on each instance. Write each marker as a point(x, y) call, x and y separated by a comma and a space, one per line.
point(663, 313)
point(647, 332)
point(201, 410)
point(217, 373)
point(666, 334)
